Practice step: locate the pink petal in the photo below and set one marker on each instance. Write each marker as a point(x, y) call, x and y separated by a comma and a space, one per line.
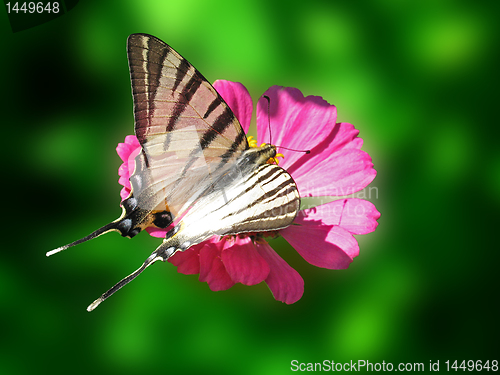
point(124, 181)
point(187, 261)
point(243, 263)
point(285, 283)
point(335, 165)
point(342, 173)
point(238, 99)
point(127, 152)
point(123, 150)
point(124, 193)
point(297, 122)
point(157, 232)
point(132, 141)
point(342, 136)
point(346, 137)
point(358, 216)
point(326, 246)
point(131, 159)
point(123, 170)
point(212, 269)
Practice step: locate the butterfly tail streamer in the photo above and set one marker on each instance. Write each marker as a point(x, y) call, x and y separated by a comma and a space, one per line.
point(96, 233)
point(163, 252)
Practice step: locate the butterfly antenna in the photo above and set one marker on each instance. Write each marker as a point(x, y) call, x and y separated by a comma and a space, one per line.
point(291, 149)
point(269, 122)
point(269, 118)
point(163, 252)
point(97, 233)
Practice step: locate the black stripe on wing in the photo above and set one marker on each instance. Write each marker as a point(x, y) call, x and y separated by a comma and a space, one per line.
point(181, 72)
point(263, 178)
point(266, 200)
point(155, 57)
point(240, 141)
point(215, 103)
point(225, 119)
point(184, 98)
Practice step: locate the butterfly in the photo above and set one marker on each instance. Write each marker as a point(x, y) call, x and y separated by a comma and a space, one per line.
point(195, 173)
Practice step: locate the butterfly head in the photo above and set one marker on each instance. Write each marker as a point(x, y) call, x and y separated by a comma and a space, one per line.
point(266, 152)
point(259, 155)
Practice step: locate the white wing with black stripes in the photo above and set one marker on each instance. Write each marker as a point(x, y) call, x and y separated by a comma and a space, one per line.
point(188, 134)
point(195, 173)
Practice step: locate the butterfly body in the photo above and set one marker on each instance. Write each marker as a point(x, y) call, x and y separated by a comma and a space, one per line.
point(195, 174)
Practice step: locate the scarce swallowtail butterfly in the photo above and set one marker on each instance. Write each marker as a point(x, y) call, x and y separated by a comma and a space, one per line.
point(195, 173)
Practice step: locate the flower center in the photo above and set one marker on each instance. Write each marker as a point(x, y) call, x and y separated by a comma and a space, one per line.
point(253, 143)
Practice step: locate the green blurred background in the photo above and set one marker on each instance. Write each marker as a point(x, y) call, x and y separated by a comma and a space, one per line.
point(420, 81)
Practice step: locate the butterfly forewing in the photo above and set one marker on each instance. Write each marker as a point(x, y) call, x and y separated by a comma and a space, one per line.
point(187, 132)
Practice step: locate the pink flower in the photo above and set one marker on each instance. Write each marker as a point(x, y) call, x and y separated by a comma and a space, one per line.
point(322, 235)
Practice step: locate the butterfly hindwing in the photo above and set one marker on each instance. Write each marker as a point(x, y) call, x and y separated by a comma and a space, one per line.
point(263, 198)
